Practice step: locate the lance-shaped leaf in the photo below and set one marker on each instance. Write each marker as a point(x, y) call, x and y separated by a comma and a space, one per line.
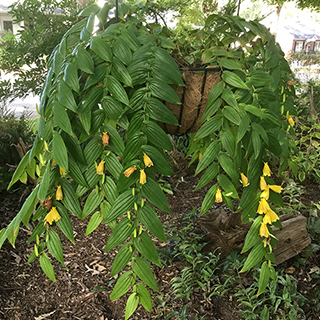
point(46, 266)
point(252, 236)
point(93, 201)
point(227, 186)
point(208, 176)
point(110, 190)
point(232, 115)
point(146, 247)
point(85, 120)
point(229, 97)
point(122, 204)
point(153, 193)
point(255, 256)
point(159, 112)
point(113, 165)
point(69, 200)
point(156, 135)
point(209, 155)
point(20, 169)
point(91, 100)
point(122, 258)
point(163, 91)
point(44, 184)
point(61, 118)
point(120, 233)
point(264, 277)
point(144, 296)
point(101, 48)
point(59, 149)
point(64, 224)
point(132, 304)
point(117, 90)
point(73, 147)
point(120, 72)
point(122, 51)
point(115, 142)
point(234, 80)
point(209, 199)
point(229, 168)
point(70, 77)
point(142, 269)
point(133, 146)
point(94, 222)
point(123, 285)
point(54, 245)
point(210, 126)
point(76, 173)
point(149, 218)
point(65, 96)
point(93, 150)
point(112, 108)
point(84, 60)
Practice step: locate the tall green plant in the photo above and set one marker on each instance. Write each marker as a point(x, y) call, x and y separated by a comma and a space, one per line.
point(115, 80)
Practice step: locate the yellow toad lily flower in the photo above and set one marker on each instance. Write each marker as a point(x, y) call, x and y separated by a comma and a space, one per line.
point(266, 170)
point(276, 188)
point(290, 120)
point(264, 232)
point(147, 161)
point(270, 217)
point(53, 162)
point(100, 167)
point(265, 193)
point(218, 196)
point(59, 194)
point(143, 177)
point(62, 171)
point(244, 180)
point(200, 156)
point(129, 171)
point(52, 216)
point(263, 206)
point(263, 184)
point(105, 139)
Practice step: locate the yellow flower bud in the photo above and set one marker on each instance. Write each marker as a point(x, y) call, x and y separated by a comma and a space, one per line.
point(290, 120)
point(263, 184)
point(266, 170)
point(52, 216)
point(218, 196)
point(244, 180)
point(276, 188)
point(143, 177)
point(265, 193)
point(270, 217)
point(100, 167)
point(105, 139)
point(129, 171)
point(263, 206)
point(62, 171)
point(53, 162)
point(200, 156)
point(264, 232)
point(59, 194)
point(147, 161)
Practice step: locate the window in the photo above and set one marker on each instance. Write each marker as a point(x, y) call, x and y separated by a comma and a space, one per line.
point(317, 46)
point(7, 25)
point(298, 46)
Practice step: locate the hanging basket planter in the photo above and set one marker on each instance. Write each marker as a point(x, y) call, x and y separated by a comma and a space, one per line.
point(193, 97)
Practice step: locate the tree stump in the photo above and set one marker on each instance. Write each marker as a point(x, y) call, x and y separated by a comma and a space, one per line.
point(226, 233)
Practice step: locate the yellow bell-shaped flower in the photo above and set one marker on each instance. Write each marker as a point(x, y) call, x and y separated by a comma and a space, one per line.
point(147, 161)
point(218, 196)
point(129, 171)
point(52, 216)
point(244, 180)
point(264, 232)
point(143, 177)
point(266, 170)
point(100, 167)
point(59, 194)
point(263, 206)
point(105, 139)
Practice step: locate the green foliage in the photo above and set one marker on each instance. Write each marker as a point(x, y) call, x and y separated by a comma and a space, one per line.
point(79, 147)
point(45, 22)
point(11, 130)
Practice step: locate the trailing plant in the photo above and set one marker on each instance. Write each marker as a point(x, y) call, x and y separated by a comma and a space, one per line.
point(114, 80)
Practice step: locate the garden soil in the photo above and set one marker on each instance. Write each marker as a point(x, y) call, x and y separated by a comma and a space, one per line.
point(83, 283)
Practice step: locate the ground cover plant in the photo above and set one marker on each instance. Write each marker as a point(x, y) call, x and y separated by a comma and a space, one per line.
point(99, 141)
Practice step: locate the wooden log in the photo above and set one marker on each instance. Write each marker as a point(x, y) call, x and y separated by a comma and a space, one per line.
point(292, 237)
point(226, 233)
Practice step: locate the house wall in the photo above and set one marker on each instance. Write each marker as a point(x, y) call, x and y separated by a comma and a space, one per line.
point(6, 17)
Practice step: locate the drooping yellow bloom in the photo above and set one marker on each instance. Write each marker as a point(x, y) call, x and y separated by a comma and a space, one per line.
point(129, 171)
point(290, 120)
point(143, 177)
point(105, 139)
point(264, 232)
point(276, 188)
point(100, 167)
point(53, 162)
point(263, 206)
point(147, 161)
point(62, 171)
point(244, 180)
point(59, 194)
point(218, 196)
point(266, 170)
point(200, 156)
point(263, 184)
point(53, 215)
point(265, 193)
point(270, 217)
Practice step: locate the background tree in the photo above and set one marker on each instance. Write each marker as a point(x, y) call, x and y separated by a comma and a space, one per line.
point(25, 54)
